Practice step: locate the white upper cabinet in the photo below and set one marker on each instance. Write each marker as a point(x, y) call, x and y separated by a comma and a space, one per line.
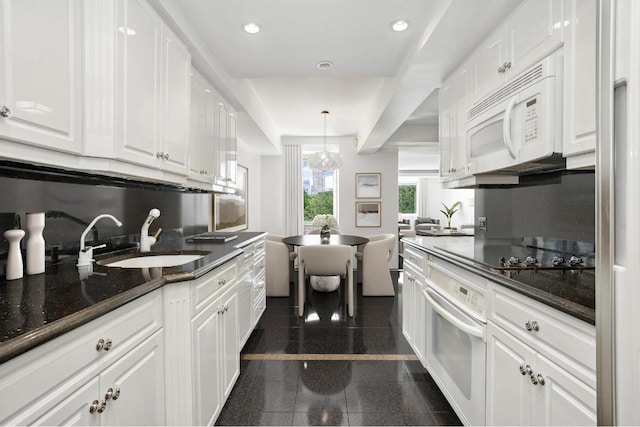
point(138, 83)
point(204, 102)
point(176, 80)
point(40, 73)
point(532, 32)
point(580, 84)
point(153, 97)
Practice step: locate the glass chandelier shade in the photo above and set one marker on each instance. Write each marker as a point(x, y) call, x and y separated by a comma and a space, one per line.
point(325, 160)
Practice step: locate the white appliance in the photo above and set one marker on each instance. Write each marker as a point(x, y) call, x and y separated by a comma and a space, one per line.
point(617, 207)
point(456, 347)
point(518, 127)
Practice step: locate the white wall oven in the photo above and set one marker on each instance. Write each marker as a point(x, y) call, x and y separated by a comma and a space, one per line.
point(518, 127)
point(456, 340)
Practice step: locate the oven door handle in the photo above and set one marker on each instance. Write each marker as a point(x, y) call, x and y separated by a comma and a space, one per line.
point(476, 331)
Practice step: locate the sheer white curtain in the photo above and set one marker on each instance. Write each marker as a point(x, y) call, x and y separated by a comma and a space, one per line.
point(421, 196)
point(293, 201)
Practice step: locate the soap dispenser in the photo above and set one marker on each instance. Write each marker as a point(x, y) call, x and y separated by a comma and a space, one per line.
point(14, 260)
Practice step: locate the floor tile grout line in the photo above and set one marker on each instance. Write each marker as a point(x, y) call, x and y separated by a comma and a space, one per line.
point(314, 356)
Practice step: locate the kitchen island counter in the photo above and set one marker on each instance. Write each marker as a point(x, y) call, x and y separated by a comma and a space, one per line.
point(38, 308)
point(572, 292)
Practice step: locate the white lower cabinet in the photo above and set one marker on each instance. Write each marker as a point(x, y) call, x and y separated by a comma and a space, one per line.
point(216, 364)
point(540, 364)
point(526, 388)
point(413, 300)
point(101, 373)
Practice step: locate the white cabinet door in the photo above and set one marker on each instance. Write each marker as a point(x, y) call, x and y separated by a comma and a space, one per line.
point(509, 393)
point(229, 341)
point(232, 146)
point(533, 32)
point(245, 304)
point(408, 323)
point(580, 82)
point(138, 83)
point(40, 73)
point(221, 143)
point(176, 80)
point(419, 330)
point(137, 380)
point(75, 410)
point(446, 101)
point(196, 127)
point(562, 400)
point(206, 370)
point(458, 134)
point(203, 131)
point(488, 64)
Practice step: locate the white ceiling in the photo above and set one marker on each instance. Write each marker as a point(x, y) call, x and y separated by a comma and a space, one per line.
point(383, 87)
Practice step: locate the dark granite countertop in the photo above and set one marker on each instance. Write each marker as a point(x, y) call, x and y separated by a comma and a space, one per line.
point(37, 308)
point(571, 293)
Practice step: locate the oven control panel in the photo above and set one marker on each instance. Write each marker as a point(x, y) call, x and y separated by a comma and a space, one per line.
point(468, 297)
point(457, 290)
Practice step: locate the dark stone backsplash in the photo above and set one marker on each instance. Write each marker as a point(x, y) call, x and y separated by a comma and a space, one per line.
point(70, 201)
point(560, 205)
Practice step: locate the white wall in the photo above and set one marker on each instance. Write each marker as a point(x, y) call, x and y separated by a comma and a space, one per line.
point(253, 163)
point(437, 195)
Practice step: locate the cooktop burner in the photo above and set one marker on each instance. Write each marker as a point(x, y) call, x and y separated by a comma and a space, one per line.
point(534, 253)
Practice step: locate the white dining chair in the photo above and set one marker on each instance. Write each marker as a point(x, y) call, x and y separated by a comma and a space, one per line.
point(277, 262)
point(376, 277)
point(325, 260)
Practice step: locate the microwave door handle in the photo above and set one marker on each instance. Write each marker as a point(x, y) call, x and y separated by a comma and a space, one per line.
point(465, 327)
point(506, 127)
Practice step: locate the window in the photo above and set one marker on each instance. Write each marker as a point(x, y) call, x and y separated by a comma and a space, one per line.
point(318, 191)
point(407, 198)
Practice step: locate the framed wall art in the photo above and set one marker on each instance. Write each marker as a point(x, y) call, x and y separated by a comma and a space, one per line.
point(368, 214)
point(368, 185)
point(230, 211)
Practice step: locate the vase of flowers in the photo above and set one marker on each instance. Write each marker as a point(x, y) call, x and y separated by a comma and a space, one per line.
point(326, 223)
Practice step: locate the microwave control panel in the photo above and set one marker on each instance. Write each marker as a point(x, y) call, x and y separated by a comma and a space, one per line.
point(531, 121)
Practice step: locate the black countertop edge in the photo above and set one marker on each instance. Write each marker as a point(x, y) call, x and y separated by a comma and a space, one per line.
point(23, 343)
point(14, 347)
point(576, 310)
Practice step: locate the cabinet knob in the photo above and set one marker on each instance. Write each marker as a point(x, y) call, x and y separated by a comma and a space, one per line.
point(540, 379)
point(94, 407)
point(100, 345)
point(102, 407)
point(524, 370)
point(159, 155)
point(107, 345)
point(507, 65)
point(501, 69)
point(5, 111)
point(112, 394)
point(166, 156)
point(532, 326)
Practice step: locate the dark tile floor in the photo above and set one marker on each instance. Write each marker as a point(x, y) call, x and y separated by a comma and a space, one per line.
point(328, 369)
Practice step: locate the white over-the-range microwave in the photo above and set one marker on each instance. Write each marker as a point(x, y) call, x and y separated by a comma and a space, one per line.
point(518, 127)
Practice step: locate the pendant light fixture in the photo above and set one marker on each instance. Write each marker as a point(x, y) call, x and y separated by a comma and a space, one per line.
point(325, 160)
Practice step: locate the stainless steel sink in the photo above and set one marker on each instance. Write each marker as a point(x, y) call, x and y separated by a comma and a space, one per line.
point(153, 259)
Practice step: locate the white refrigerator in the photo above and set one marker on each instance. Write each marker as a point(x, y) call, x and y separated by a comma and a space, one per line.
point(618, 213)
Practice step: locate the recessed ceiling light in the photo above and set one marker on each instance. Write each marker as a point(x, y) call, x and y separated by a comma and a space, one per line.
point(325, 65)
point(400, 25)
point(251, 28)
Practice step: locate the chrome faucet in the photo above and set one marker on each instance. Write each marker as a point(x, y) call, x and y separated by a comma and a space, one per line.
point(85, 256)
point(147, 241)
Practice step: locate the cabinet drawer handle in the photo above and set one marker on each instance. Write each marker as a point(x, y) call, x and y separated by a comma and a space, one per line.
point(94, 407)
point(5, 111)
point(524, 370)
point(108, 344)
point(532, 326)
point(111, 394)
